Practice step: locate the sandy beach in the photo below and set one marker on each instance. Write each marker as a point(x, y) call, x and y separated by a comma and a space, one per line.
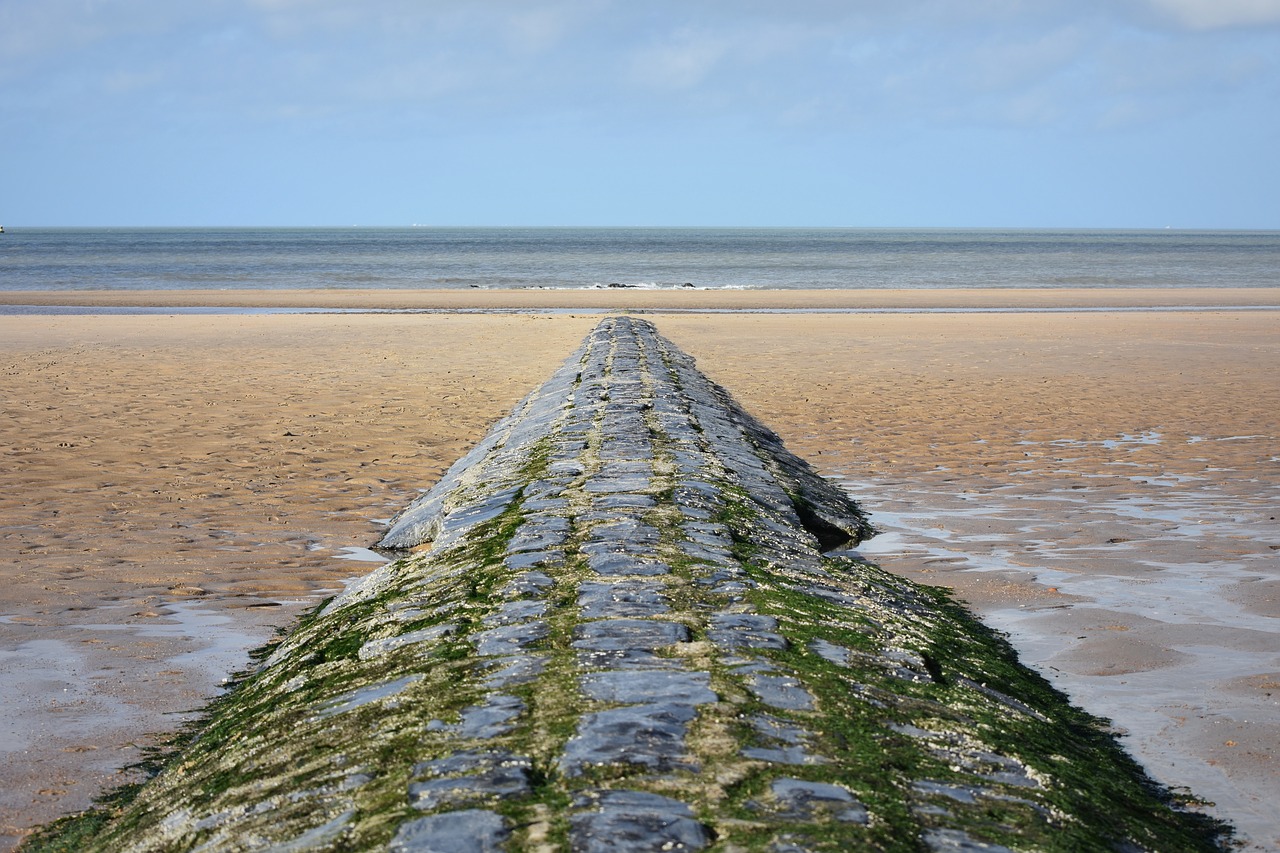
point(679, 299)
point(1096, 479)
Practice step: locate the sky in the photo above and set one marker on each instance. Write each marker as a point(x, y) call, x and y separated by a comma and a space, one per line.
point(892, 113)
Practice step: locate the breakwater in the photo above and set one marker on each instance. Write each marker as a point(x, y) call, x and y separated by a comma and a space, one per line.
point(616, 625)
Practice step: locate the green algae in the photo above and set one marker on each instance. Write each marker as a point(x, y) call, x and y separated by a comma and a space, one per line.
point(1110, 800)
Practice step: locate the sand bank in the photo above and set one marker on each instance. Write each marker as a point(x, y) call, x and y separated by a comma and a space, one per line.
point(1100, 485)
point(668, 300)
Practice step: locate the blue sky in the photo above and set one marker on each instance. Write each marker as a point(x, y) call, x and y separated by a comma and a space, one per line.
point(1030, 113)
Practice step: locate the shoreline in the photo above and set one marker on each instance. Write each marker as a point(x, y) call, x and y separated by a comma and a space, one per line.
point(175, 487)
point(967, 299)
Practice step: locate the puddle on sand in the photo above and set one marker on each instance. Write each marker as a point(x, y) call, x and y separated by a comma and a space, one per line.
point(1153, 630)
point(363, 555)
point(223, 638)
point(48, 689)
point(79, 698)
point(80, 682)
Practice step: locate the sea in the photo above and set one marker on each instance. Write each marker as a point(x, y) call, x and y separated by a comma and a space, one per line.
point(62, 259)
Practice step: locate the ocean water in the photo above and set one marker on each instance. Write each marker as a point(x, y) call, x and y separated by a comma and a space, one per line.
point(771, 258)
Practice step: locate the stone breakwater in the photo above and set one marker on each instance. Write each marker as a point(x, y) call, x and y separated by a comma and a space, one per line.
point(616, 627)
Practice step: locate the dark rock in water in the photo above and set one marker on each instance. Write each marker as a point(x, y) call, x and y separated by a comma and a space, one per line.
point(627, 635)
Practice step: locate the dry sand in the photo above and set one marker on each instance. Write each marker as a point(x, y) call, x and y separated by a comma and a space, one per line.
point(1103, 486)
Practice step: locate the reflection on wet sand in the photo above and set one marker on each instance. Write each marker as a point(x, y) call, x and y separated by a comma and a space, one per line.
point(1150, 608)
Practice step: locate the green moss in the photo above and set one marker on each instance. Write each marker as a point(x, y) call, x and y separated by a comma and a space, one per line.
point(1095, 780)
point(75, 833)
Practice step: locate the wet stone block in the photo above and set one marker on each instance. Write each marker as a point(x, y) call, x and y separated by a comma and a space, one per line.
point(706, 554)
point(800, 799)
point(487, 510)
point(960, 793)
point(612, 564)
point(689, 495)
point(778, 729)
point(530, 584)
point(958, 841)
point(468, 790)
point(466, 831)
point(780, 742)
point(385, 645)
point(384, 691)
point(830, 652)
point(612, 503)
point(718, 541)
point(630, 450)
point(615, 634)
point(721, 574)
point(494, 717)
point(636, 822)
point(796, 755)
point(509, 639)
point(520, 610)
point(623, 467)
point(622, 598)
point(539, 535)
point(745, 631)
point(650, 736)
point(516, 671)
point(621, 535)
point(781, 691)
point(906, 665)
point(625, 659)
point(566, 468)
point(533, 559)
point(619, 483)
point(684, 688)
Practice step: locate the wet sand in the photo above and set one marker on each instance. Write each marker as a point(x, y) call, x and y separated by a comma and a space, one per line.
point(1102, 486)
point(680, 299)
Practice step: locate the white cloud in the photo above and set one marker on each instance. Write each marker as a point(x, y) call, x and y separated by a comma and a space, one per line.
point(1219, 14)
point(539, 29)
point(34, 32)
point(680, 61)
point(812, 65)
point(1011, 61)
